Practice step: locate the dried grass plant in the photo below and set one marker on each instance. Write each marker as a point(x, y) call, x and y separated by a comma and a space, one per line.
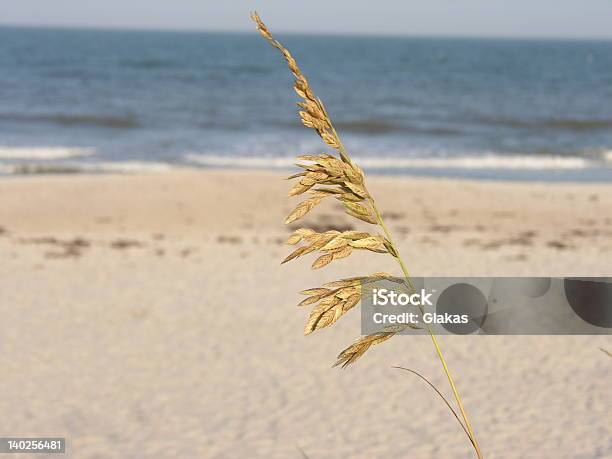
point(326, 176)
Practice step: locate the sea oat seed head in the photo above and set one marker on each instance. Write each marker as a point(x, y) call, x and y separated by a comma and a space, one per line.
point(314, 115)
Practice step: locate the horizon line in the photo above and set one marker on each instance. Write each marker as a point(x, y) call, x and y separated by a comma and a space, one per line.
point(109, 28)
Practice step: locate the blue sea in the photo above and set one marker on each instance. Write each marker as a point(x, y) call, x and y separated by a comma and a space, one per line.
point(97, 101)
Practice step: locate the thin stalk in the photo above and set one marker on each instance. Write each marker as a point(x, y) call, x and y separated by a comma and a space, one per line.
point(407, 277)
point(429, 330)
point(441, 396)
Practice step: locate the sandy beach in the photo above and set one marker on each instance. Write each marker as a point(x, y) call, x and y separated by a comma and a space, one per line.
point(147, 316)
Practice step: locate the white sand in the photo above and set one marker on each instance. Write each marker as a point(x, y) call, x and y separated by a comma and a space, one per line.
point(168, 328)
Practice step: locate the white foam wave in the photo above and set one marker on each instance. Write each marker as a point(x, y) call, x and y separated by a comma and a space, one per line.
point(43, 153)
point(482, 162)
point(120, 167)
point(522, 162)
point(128, 167)
point(240, 161)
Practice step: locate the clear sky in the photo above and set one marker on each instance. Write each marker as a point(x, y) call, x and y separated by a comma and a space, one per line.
point(509, 18)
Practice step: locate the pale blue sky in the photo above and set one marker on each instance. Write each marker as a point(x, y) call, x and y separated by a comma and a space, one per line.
point(509, 18)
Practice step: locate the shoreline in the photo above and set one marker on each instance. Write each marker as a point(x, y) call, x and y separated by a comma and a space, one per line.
point(590, 175)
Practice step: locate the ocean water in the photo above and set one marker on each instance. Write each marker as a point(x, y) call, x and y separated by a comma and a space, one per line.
point(90, 100)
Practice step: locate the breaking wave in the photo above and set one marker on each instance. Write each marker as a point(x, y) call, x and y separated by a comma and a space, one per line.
point(516, 162)
point(43, 153)
point(121, 167)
